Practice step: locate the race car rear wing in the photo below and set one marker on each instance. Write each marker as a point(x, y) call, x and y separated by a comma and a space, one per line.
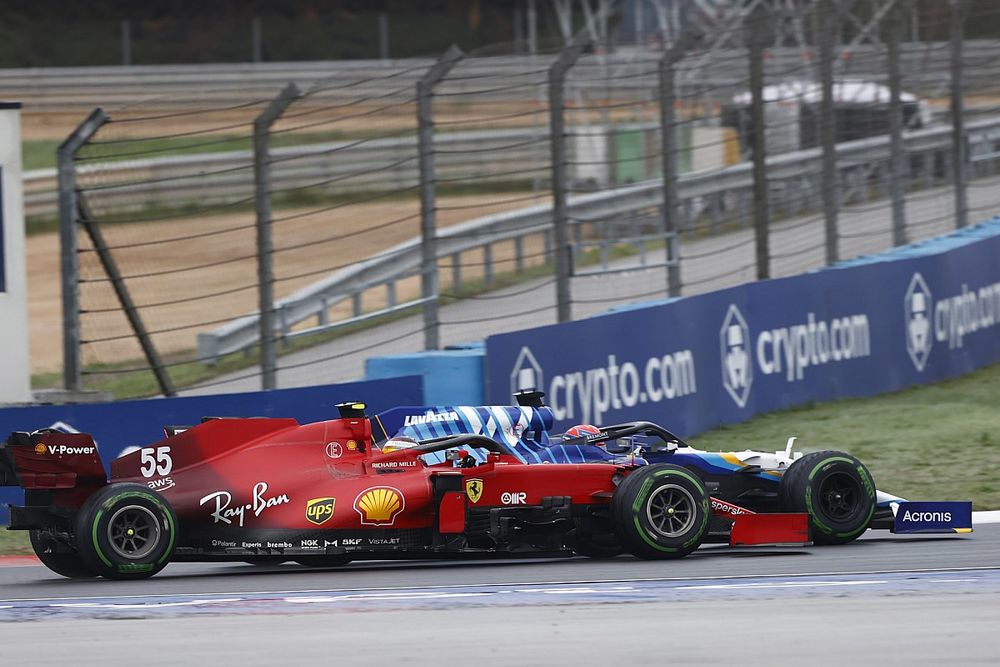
point(51, 460)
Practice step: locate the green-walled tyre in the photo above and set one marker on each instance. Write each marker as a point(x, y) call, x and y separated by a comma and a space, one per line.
point(126, 531)
point(837, 492)
point(661, 512)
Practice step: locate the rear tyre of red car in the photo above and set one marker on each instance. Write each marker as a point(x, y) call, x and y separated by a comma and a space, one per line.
point(837, 492)
point(68, 565)
point(661, 511)
point(126, 531)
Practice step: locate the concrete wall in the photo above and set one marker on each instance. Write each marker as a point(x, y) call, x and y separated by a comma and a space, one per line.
point(15, 373)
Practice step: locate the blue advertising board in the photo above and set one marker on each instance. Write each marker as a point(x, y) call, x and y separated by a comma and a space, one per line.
point(122, 424)
point(697, 362)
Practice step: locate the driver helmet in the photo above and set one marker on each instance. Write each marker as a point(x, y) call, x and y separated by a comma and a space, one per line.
point(398, 442)
point(581, 430)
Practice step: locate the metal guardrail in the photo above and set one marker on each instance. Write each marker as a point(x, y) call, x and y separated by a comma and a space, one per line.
point(342, 166)
point(164, 86)
point(794, 179)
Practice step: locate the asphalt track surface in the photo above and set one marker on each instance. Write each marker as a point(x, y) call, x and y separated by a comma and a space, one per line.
point(913, 599)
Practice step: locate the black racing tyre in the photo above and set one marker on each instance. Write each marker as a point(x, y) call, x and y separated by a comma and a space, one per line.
point(837, 492)
point(661, 511)
point(597, 546)
point(68, 565)
point(323, 561)
point(126, 531)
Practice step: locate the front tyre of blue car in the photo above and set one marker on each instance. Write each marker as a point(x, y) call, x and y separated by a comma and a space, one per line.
point(661, 512)
point(837, 492)
point(126, 531)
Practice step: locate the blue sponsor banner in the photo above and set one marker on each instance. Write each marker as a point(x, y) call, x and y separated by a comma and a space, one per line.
point(698, 362)
point(933, 517)
point(122, 424)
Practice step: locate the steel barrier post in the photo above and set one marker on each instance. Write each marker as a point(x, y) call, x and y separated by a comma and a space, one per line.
point(428, 230)
point(265, 260)
point(757, 36)
point(827, 23)
point(69, 261)
point(897, 166)
point(557, 140)
point(959, 148)
point(668, 150)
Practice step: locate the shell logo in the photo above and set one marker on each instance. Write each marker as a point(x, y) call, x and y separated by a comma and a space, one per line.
point(39, 448)
point(379, 506)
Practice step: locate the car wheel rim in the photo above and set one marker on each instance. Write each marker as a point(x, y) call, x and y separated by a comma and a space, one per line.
point(840, 496)
point(133, 532)
point(670, 510)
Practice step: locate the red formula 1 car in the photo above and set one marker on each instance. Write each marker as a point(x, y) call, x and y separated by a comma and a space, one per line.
point(271, 490)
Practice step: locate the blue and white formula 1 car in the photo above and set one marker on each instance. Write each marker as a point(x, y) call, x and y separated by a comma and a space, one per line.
point(833, 487)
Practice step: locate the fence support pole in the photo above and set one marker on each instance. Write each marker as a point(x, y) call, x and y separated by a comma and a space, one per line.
point(69, 262)
point(126, 42)
point(757, 37)
point(428, 229)
point(958, 8)
point(110, 266)
point(383, 36)
point(827, 23)
point(265, 254)
point(557, 139)
point(256, 40)
point(897, 167)
point(668, 150)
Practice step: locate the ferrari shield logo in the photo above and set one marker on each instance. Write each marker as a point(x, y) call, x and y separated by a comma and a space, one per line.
point(474, 489)
point(319, 510)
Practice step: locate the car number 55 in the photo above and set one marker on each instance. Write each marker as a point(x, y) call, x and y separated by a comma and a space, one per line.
point(155, 461)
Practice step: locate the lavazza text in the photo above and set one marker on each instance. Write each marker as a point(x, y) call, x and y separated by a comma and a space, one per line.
point(588, 394)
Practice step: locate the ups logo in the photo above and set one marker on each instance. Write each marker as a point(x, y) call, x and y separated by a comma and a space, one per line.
point(319, 510)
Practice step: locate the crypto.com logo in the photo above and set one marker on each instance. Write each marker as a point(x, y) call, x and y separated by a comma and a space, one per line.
point(737, 366)
point(919, 332)
point(527, 373)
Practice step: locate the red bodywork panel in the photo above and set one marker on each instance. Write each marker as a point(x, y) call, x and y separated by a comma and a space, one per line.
point(753, 529)
point(277, 474)
point(451, 518)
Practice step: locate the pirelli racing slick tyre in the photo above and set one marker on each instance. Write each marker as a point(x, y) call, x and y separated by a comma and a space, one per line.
point(126, 531)
point(837, 492)
point(597, 546)
point(68, 565)
point(661, 511)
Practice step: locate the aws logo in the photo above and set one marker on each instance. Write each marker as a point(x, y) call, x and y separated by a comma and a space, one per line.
point(320, 510)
